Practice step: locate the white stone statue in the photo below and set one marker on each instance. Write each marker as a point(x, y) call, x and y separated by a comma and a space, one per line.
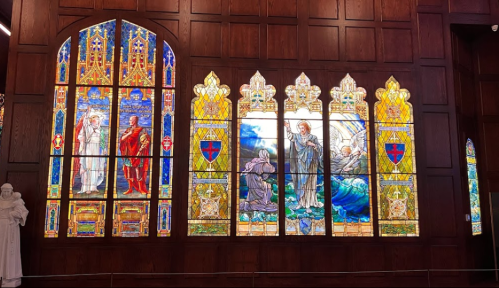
point(12, 213)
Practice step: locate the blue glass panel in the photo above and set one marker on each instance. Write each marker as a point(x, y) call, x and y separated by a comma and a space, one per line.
point(168, 66)
point(102, 29)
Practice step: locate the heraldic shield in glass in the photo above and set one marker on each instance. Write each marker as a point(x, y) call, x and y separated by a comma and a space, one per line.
point(257, 209)
point(304, 154)
point(210, 160)
point(476, 215)
point(350, 161)
point(396, 162)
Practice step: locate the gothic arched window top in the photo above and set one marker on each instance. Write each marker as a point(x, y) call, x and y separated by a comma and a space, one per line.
point(96, 54)
point(138, 56)
point(63, 60)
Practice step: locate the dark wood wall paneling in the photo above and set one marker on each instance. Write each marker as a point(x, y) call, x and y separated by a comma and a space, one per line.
point(486, 79)
point(371, 39)
point(476, 76)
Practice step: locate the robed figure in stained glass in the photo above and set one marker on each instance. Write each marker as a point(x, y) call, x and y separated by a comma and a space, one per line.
point(259, 191)
point(134, 143)
point(305, 161)
point(91, 142)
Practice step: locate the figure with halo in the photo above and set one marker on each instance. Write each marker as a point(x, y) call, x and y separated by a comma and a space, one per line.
point(305, 158)
point(12, 213)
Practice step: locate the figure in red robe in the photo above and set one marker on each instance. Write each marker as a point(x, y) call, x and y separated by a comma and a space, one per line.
point(135, 143)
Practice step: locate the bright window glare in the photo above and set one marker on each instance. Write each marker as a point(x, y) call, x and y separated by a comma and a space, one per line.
point(4, 29)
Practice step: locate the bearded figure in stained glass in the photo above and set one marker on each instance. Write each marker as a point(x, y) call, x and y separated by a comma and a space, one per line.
point(305, 162)
point(257, 172)
point(91, 142)
point(134, 143)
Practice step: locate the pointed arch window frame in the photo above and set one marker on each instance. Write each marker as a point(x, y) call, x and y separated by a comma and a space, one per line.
point(60, 204)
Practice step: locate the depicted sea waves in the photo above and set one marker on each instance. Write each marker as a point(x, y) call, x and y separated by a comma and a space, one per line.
point(350, 198)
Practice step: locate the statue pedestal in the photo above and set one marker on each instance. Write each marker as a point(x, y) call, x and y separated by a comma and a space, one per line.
point(11, 282)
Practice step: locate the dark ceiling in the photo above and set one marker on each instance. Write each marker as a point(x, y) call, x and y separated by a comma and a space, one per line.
point(6, 11)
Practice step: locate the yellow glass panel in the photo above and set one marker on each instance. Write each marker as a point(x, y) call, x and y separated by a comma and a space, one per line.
point(396, 162)
point(210, 160)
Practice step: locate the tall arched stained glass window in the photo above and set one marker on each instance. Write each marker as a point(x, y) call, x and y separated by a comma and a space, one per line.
point(58, 136)
point(210, 160)
point(167, 124)
point(350, 161)
point(304, 166)
point(476, 215)
point(257, 209)
point(396, 162)
point(94, 151)
point(92, 121)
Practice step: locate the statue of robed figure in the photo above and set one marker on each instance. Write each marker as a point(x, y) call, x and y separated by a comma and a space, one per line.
point(12, 214)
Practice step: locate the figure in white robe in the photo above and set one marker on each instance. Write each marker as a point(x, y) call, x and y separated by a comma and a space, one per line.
point(305, 163)
point(91, 143)
point(12, 213)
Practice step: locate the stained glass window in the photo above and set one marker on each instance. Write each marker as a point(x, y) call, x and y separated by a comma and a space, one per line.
point(52, 216)
point(63, 59)
point(57, 145)
point(476, 218)
point(86, 218)
point(89, 169)
point(96, 54)
point(210, 160)
point(92, 147)
point(167, 125)
point(396, 162)
point(138, 56)
point(257, 205)
point(131, 219)
point(89, 177)
point(58, 138)
point(304, 153)
point(134, 143)
point(350, 161)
